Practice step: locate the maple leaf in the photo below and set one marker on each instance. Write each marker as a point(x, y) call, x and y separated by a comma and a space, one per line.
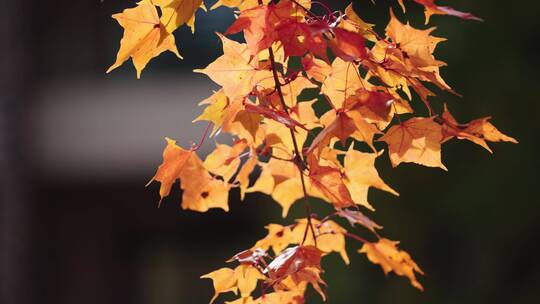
point(432, 9)
point(342, 127)
point(259, 24)
point(246, 279)
point(417, 140)
point(348, 45)
point(478, 131)
point(386, 253)
point(241, 4)
point(249, 122)
point(303, 111)
point(278, 238)
point(329, 182)
point(299, 38)
point(316, 68)
point(250, 257)
point(218, 109)
point(278, 297)
point(233, 70)
point(298, 281)
point(330, 236)
point(174, 161)
point(262, 106)
point(354, 22)
point(243, 278)
point(145, 37)
point(177, 12)
point(374, 106)
point(201, 190)
point(357, 217)
point(342, 82)
point(224, 160)
point(360, 173)
point(417, 44)
point(293, 88)
point(223, 280)
point(282, 182)
point(293, 260)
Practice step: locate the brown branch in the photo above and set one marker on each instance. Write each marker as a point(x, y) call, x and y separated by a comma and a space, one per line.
point(297, 157)
point(356, 237)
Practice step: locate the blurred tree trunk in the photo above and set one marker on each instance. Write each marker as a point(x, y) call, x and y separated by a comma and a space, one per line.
point(15, 209)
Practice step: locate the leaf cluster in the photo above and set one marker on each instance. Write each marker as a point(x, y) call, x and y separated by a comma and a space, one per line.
point(365, 82)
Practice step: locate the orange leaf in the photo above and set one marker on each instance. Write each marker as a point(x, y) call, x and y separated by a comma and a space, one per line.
point(201, 190)
point(233, 70)
point(348, 45)
point(478, 131)
point(360, 174)
point(330, 236)
point(293, 260)
point(259, 24)
point(342, 127)
point(386, 253)
point(417, 140)
point(329, 181)
point(224, 160)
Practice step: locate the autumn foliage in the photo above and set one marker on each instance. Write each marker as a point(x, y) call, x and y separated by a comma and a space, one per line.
point(295, 149)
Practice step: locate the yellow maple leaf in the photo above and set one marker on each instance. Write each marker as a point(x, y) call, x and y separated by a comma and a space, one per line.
point(223, 279)
point(177, 12)
point(330, 236)
point(386, 253)
point(361, 174)
point(224, 160)
point(145, 37)
point(233, 70)
point(417, 140)
point(355, 23)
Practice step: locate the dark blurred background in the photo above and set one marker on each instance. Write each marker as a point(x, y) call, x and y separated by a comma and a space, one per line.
point(77, 147)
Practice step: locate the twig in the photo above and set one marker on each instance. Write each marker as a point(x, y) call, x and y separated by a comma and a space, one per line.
point(299, 161)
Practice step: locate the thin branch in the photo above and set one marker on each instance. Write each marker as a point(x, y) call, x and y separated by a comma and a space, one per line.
point(299, 161)
point(356, 237)
point(201, 142)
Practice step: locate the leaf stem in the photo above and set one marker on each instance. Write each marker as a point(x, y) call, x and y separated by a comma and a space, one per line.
point(201, 142)
point(356, 237)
